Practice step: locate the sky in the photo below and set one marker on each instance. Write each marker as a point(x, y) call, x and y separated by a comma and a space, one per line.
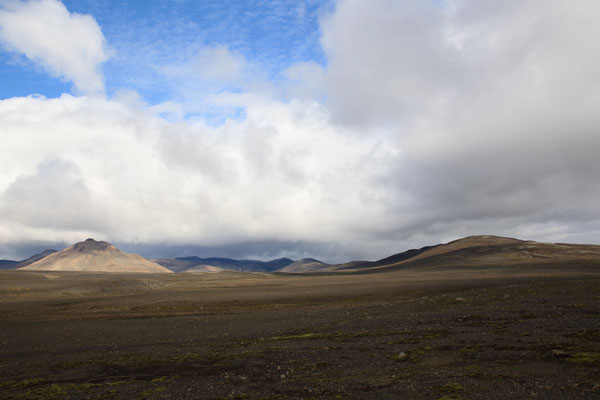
point(333, 129)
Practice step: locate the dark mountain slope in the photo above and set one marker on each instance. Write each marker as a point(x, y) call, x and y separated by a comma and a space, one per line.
point(396, 258)
point(181, 264)
point(10, 264)
point(7, 264)
point(35, 257)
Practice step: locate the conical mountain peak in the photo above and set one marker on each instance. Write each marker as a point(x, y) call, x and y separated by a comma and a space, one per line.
point(90, 245)
point(95, 256)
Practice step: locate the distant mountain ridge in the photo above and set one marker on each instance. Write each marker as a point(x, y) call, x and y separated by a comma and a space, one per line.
point(483, 251)
point(35, 257)
point(181, 264)
point(7, 264)
point(10, 264)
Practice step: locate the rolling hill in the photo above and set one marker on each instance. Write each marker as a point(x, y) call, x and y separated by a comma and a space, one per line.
point(304, 265)
point(484, 252)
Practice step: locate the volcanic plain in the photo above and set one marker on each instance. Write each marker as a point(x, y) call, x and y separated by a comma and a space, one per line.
point(485, 318)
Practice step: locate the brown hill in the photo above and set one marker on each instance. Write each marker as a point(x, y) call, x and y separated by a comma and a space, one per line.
point(490, 251)
point(305, 265)
point(203, 268)
point(95, 256)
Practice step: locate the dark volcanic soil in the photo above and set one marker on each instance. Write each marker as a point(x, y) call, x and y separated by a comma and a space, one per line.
point(431, 334)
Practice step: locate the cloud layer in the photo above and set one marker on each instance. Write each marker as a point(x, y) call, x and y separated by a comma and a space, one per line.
point(428, 123)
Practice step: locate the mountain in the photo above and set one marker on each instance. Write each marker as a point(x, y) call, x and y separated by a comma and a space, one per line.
point(181, 264)
point(485, 252)
point(396, 258)
point(174, 264)
point(470, 252)
point(7, 264)
point(34, 258)
point(10, 264)
point(304, 265)
point(92, 255)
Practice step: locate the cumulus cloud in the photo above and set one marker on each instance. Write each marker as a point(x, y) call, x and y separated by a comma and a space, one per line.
point(431, 120)
point(387, 60)
point(491, 105)
point(270, 177)
point(219, 63)
point(54, 196)
point(398, 61)
point(67, 45)
point(306, 80)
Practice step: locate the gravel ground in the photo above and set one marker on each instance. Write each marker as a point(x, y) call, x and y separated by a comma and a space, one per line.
point(402, 335)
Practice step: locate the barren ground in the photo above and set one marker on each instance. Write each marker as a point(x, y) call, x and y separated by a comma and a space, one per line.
point(426, 334)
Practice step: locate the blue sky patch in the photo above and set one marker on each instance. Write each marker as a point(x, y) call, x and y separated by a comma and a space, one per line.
point(148, 38)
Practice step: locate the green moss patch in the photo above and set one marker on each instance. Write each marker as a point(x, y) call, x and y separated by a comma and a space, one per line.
point(585, 358)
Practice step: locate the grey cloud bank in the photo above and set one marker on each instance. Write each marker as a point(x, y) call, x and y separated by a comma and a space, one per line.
point(427, 124)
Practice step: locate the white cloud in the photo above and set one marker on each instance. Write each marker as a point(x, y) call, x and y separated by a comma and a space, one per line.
point(54, 196)
point(198, 76)
point(208, 66)
point(67, 45)
point(270, 176)
point(401, 61)
point(489, 106)
point(306, 80)
point(219, 63)
point(386, 60)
